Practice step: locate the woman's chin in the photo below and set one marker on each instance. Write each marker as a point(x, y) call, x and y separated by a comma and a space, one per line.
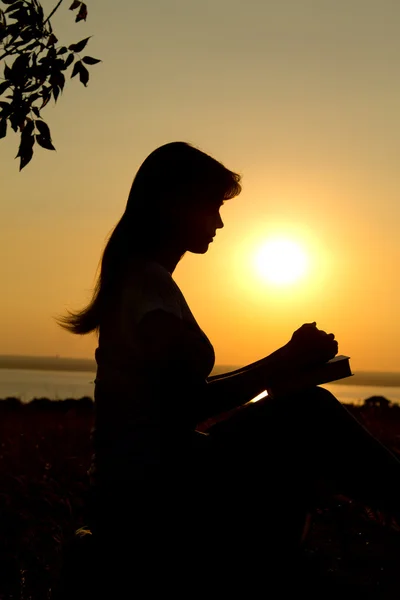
point(200, 248)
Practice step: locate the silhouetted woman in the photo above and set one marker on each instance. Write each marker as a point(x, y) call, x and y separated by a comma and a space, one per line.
point(173, 509)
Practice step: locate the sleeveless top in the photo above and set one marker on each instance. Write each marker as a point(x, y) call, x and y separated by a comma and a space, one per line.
point(128, 398)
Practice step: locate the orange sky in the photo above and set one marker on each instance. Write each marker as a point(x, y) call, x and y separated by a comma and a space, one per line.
point(302, 98)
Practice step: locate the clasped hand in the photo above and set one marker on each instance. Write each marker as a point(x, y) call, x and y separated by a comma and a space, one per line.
point(310, 345)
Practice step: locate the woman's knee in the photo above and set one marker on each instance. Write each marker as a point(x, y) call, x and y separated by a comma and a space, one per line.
point(313, 401)
point(322, 396)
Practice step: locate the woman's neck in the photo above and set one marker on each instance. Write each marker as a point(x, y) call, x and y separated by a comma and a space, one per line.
point(167, 257)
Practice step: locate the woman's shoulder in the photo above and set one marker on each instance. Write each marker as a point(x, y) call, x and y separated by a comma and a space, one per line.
point(149, 286)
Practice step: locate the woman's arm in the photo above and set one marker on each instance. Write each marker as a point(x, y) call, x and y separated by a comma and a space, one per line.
point(169, 349)
point(308, 345)
point(233, 389)
point(251, 366)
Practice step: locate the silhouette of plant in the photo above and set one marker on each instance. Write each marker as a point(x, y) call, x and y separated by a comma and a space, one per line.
point(35, 70)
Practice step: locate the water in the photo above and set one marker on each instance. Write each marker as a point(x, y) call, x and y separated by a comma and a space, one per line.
point(58, 385)
point(356, 394)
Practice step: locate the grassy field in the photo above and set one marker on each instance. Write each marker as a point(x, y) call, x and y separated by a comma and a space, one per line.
point(44, 456)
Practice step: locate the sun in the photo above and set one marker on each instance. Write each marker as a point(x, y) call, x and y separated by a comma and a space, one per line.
point(281, 261)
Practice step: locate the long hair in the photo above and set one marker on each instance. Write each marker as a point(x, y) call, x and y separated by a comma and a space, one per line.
point(170, 176)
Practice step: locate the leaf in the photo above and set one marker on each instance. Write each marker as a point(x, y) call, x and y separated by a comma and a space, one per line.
point(20, 16)
point(33, 97)
point(80, 69)
point(19, 67)
point(6, 109)
point(36, 111)
point(82, 14)
point(3, 128)
point(17, 45)
point(79, 46)
point(26, 157)
point(32, 87)
point(14, 121)
point(25, 150)
point(51, 54)
point(58, 64)
point(43, 129)
point(90, 61)
point(13, 31)
point(40, 15)
point(40, 73)
point(9, 1)
point(52, 40)
point(4, 86)
point(26, 34)
point(76, 69)
point(62, 50)
point(27, 132)
point(32, 46)
point(44, 142)
point(20, 62)
point(46, 96)
point(83, 75)
point(46, 100)
point(17, 4)
point(19, 115)
point(69, 60)
point(75, 5)
point(57, 79)
point(60, 80)
point(7, 71)
point(56, 92)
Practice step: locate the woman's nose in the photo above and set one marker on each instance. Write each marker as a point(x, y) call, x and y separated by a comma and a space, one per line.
point(219, 223)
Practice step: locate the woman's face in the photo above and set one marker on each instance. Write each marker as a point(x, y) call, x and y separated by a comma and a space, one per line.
point(199, 226)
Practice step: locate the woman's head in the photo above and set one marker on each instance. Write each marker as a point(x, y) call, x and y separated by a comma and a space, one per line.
point(174, 181)
point(174, 201)
point(178, 171)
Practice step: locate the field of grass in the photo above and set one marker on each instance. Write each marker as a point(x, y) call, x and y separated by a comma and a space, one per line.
point(45, 452)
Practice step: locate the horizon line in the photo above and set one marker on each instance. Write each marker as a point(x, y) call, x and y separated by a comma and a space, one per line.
point(92, 361)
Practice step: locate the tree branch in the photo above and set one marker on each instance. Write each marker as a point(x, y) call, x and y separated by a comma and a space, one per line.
point(52, 12)
point(9, 53)
point(8, 48)
point(17, 50)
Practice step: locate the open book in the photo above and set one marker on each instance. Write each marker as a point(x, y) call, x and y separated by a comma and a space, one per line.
point(336, 368)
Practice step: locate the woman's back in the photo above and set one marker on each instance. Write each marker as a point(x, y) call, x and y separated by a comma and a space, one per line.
point(130, 385)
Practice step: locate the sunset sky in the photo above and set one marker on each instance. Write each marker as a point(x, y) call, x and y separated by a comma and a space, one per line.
point(302, 97)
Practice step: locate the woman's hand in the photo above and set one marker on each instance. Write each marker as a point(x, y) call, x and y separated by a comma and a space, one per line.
point(310, 345)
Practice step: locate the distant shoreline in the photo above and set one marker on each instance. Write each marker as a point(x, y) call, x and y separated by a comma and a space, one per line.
point(47, 363)
point(56, 363)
